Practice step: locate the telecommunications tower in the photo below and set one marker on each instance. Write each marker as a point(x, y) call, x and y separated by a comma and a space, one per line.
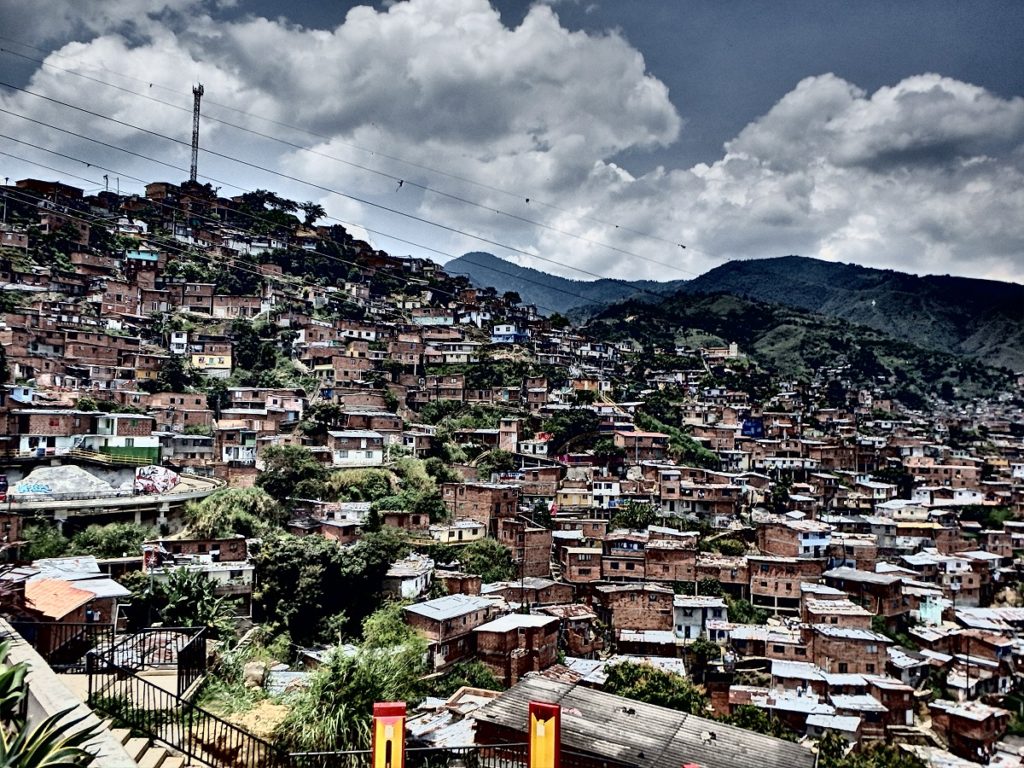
point(197, 93)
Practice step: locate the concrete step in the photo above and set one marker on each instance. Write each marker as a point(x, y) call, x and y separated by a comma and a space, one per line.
point(121, 734)
point(174, 761)
point(153, 757)
point(135, 747)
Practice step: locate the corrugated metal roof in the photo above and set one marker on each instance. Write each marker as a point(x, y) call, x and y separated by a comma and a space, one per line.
point(642, 734)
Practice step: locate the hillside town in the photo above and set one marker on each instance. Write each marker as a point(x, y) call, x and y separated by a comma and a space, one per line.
point(227, 421)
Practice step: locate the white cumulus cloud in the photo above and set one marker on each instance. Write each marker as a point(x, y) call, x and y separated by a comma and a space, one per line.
point(924, 174)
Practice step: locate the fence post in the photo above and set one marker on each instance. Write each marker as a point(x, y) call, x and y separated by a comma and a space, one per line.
point(388, 735)
point(90, 668)
point(544, 741)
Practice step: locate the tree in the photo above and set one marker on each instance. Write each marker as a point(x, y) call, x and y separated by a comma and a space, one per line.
point(571, 424)
point(289, 471)
point(709, 587)
point(702, 651)
point(311, 212)
point(730, 547)
point(489, 560)
point(584, 397)
point(360, 484)
point(5, 371)
point(742, 612)
point(187, 599)
point(758, 720)
point(333, 712)
point(230, 511)
point(111, 540)
point(654, 686)
point(474, 674)
point(318, 418)
point(176, 375)
point(634, 515)
point(832, 753)
point(304, 579)
point(607, 452)
point(44, 540)
point(441, 472)
point(496, 460)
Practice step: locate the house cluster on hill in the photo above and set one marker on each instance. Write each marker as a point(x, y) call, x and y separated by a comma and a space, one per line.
point(842, 562)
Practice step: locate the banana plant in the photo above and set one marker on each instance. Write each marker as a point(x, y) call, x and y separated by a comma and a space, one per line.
point(51, 744)
point(54, 743)
point(12, 685)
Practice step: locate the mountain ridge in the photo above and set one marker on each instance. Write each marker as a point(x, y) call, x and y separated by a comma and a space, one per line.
point(958, 315)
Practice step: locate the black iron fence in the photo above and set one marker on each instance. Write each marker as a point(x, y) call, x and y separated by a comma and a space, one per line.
point(494, 756)
point(164, 716)
point(192, 661)
point(64, 645)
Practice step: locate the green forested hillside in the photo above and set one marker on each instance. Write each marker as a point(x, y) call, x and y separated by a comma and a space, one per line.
point(962, 316)
point(795, 342)
point(981, 318)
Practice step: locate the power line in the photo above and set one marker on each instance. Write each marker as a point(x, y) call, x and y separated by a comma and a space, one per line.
point(515, 195)
point(392, 177)
point(448, 228)
point(314, 185)
point(330, 257)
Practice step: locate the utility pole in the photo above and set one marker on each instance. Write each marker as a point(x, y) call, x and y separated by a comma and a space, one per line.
point(197, 93)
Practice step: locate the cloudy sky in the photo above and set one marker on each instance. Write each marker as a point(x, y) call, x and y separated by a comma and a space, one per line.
point(584, 138)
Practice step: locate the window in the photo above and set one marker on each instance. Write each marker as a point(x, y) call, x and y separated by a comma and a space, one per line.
point(778, 649)
point(843, 667)
point(870, 668)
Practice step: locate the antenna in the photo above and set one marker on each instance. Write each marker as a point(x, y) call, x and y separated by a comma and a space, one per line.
point(197, 92)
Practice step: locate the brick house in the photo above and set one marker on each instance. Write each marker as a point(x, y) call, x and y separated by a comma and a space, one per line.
point(448, 623)
point(970, 728)
point(775, 581)
point(516, 643)
point(879, 593)
point(635, 606)
point(670, 560)
point(580, 565)
point(578, 632)
point(845, 650)
point(623, 558)
point(223, 550)
point(732, 572)
point(840, 613)
point(484, 502)
point(794, 538)
point(642, 446)
point(530, 545)
point(530, 590)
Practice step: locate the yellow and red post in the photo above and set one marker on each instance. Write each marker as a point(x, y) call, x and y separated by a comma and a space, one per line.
point(544, 741)
point(389, 735)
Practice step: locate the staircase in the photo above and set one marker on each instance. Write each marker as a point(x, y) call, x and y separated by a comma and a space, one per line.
point(143, 751)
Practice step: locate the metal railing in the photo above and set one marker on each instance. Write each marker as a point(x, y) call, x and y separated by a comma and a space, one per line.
point(64, 645)
point(513, 755)
point(496, 756)
point(191, 662)
point(164, 716)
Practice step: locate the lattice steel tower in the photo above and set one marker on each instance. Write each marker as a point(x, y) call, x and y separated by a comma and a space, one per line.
point(197, 93)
